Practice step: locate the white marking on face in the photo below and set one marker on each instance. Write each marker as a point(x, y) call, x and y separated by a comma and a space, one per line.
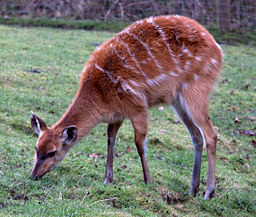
point(54, 149)
point(57, 157)
point(198, 58)
point(174, 74)
point(147, 48)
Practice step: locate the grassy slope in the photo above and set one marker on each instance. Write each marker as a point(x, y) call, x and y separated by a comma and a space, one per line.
point(76, 188)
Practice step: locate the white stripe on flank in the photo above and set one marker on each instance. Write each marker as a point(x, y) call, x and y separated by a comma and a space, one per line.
point(196, 77)
point(121, 58)
point(147, 48)
point(174, 74)
point(198, 58)
point(187, 66)
point(158, 28)
point(161, 77)
point(186, 50)
point(177, 16)
point(128, 88)
point(179, 70)
point(157, 80)
point(134, 59)
point(134, 83)
point(107, 73)
point(214, 61)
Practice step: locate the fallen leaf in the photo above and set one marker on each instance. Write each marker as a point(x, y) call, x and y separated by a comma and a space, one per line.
point(128, 149)
point(247, 132)
point(93, 155)
point(176, 121)
point(251, 118)
point(224, 81)
point(237, 121)
point(224, 159)
point(247, 156)
point(254, 143)
point(246, 86)
point(100, 192)
point(235, 108)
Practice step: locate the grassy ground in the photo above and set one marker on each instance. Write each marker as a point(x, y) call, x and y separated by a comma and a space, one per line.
point(40, 70)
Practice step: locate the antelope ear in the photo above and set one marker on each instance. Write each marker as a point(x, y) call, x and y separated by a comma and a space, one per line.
point(69, 134)
point(37, 124)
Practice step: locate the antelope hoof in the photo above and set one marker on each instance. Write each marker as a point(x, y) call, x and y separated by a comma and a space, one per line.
point(148, 181)
point(209, 194)
point(193, 191)
point(107, 181)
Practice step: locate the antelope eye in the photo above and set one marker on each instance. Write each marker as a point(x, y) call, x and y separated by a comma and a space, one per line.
point(51, 154)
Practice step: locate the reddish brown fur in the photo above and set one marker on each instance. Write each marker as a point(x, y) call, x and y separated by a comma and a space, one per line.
point(125, 89)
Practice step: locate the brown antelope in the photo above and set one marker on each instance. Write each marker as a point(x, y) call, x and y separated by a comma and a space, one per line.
point(165, 59)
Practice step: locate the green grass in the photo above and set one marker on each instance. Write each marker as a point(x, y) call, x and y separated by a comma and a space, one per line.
point(75, 188)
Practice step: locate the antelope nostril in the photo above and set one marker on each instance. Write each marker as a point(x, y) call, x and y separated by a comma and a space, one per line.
point(34, 177)
point(31, 176)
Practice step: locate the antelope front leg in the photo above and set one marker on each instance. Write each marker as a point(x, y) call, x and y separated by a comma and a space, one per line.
point(112, 132)
point(140, 130)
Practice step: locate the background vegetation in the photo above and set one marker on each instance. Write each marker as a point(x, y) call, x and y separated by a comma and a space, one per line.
point(225, 15)
point(40, 70)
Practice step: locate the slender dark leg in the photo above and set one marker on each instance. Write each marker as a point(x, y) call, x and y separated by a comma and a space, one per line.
point(112, 132)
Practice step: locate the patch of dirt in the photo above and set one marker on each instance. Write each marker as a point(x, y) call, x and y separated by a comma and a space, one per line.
point(155, 141)
point(27, 130)
point(171, 197)
point(36, 71)
point(113, 203)
point(18, 196)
